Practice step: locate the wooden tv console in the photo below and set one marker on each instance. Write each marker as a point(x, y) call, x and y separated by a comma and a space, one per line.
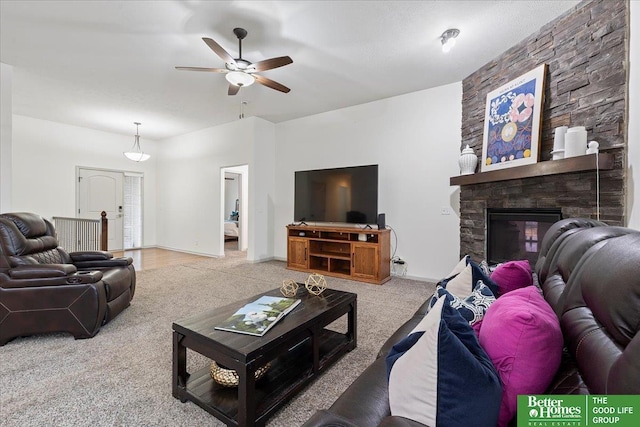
point(346, 252)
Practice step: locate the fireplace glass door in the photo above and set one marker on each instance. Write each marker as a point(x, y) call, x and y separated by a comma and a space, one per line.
point(516, 234)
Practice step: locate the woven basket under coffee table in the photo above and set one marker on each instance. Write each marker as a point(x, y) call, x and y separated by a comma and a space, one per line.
point(229, 378)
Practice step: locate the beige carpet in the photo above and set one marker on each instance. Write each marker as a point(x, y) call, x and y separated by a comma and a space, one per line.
point(122, 376)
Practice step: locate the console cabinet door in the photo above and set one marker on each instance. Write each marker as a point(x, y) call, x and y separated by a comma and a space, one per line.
point(298, 253)
point(365, 260)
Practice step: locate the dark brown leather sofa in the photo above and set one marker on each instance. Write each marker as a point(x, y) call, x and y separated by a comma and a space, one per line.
point(590, 275)
point(45, 289)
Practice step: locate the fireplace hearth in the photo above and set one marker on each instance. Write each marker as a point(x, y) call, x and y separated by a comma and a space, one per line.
point(517, 233)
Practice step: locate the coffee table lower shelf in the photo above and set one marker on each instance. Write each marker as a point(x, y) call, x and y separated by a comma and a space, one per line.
point(288, 374)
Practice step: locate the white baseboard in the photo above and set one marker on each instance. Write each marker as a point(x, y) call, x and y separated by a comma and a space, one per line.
point(183, 251)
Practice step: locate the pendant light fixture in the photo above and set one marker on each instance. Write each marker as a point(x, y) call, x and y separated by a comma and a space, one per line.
point(136, 154)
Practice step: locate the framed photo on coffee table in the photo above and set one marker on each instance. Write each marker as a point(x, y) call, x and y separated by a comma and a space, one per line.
point(512, 122)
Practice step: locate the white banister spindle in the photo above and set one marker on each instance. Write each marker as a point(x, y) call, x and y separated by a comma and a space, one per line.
point(78, 234)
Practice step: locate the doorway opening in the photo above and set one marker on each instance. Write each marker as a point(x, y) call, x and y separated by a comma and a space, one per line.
point(233, 211)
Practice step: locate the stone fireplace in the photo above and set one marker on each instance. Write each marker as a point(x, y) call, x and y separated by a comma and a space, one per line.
point(585, 50)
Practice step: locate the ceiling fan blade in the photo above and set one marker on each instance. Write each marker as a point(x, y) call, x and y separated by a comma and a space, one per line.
point(233, 89)
point(269, 64)
point(213, 70)
point(270, 83)
point(219, 50)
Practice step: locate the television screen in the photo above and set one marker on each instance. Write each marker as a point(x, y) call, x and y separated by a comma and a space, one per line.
point(347, 195)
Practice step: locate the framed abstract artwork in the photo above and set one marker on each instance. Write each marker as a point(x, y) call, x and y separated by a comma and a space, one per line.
point(512, 122)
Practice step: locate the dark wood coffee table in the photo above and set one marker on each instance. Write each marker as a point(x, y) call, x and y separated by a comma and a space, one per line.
point(299, 348)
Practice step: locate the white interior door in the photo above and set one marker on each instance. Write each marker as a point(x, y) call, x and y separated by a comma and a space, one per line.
point(99, 191)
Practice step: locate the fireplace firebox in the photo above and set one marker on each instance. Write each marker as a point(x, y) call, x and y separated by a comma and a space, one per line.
point(516, 234)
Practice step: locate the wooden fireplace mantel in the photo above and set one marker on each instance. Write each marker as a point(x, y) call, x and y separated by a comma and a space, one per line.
point(549, 167)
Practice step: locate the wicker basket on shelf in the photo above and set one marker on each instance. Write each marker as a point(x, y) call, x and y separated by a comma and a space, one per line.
point(229, 378)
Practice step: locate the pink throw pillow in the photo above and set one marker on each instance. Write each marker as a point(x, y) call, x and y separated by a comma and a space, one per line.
point(522, 336)
point(476, 327)
point(512, 275)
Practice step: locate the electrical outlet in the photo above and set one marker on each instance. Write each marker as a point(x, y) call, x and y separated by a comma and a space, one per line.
point(445, 211)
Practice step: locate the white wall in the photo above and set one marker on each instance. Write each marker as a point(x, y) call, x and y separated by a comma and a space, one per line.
point(415, 140)
point(262, 192)
point(633, 173)
point(189, 187)
point(45, 157)
point(6, 111)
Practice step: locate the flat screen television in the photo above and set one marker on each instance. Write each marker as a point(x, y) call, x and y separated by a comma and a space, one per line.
point(344, 195)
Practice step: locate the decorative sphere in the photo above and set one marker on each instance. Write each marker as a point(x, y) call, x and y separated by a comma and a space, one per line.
point(289, 288)
point(316, 284)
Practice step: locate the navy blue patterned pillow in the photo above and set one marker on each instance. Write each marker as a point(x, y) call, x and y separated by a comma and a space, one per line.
point(439, 374)
point(473, 307)
point(478, 274)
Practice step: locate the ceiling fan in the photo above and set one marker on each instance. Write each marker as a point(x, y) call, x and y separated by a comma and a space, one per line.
point(238, 71)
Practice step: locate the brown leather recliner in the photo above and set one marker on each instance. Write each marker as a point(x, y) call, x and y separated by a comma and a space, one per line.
point(45, 289)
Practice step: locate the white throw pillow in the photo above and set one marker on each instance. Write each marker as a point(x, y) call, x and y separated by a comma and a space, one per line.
point(459, 266)
point(461, 285)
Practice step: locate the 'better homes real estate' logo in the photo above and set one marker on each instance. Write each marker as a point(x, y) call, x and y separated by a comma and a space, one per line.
point(579, 410)
point(556, 409)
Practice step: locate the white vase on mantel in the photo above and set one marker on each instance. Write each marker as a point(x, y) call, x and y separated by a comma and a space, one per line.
point(468, 161)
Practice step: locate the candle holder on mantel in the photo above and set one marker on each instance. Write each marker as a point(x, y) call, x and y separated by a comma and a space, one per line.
point(468, 161)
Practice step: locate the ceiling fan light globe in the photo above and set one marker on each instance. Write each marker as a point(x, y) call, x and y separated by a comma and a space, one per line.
point(238, 78)
point(448, 45)
point(448, 39)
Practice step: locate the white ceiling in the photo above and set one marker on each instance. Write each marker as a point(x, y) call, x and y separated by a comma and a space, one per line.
point(105, 64)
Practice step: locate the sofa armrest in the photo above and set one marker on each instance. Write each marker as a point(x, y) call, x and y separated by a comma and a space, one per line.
point(87, 260)
point(392, 421)
point(36, 275)
point(115, 262)
point(83, 256)
point(85, 277)
point(41, 271)
point(324, 418)
point(399, 334)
